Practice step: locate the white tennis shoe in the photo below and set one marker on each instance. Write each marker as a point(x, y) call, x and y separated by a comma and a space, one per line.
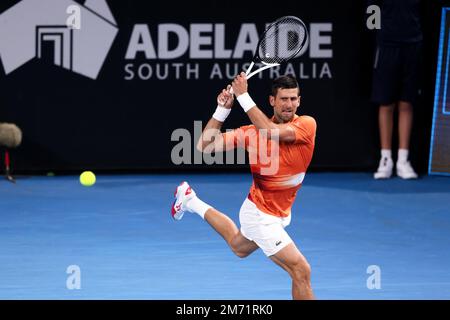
point(183, 194)
point(405, 170)
point(385, 168)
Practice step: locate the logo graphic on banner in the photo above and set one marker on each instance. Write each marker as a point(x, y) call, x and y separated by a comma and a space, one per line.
point(30, 25)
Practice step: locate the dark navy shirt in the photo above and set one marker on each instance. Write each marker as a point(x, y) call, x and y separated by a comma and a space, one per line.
point(400, 21)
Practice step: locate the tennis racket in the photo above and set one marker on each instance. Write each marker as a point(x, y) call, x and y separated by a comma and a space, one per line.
point(282, 41)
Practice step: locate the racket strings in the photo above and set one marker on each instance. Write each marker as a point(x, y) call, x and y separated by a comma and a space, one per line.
point(282, 40)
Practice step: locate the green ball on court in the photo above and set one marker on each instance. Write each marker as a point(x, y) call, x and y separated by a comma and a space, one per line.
point(87, 178)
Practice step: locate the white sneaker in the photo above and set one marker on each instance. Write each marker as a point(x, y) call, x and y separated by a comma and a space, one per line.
point(183, 194)
point(385, 168)
point(405, 170)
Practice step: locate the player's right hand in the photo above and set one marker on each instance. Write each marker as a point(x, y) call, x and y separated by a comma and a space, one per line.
point(225, 98)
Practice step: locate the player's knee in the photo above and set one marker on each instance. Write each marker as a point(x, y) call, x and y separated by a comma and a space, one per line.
point(237, 247)
point(301, 271)
point(240, 253)
point(237, 250)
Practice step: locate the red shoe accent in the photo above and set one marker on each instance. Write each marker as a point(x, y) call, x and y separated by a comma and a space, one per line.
point(173, 208)
point(188, 191)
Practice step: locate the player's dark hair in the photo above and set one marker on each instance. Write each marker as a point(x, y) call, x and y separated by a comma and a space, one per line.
point(284, 82)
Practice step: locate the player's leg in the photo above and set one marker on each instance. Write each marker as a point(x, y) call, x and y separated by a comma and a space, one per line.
point(240, 245)
point(268, 233)
point(187, 201)
point(292, 260)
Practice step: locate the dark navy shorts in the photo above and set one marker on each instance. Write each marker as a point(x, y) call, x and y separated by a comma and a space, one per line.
point(396, 73)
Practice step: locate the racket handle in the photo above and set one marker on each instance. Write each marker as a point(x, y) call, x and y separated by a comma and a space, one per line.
point(250, 67)
point(247, 72)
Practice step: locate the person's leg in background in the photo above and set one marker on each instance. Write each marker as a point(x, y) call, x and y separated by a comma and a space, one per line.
point(385, 125)
point(405, 120)
point(411, 59)
point(385, 90)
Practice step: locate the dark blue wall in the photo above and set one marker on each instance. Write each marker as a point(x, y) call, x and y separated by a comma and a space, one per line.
point(72, 122)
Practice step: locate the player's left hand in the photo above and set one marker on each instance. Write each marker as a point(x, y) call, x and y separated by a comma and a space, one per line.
point(225, 98)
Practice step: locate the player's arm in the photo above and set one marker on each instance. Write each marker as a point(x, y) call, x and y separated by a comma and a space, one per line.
point(284, 131)
point(211, 139)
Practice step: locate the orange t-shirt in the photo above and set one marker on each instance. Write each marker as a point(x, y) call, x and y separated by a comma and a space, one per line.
point(278, 169)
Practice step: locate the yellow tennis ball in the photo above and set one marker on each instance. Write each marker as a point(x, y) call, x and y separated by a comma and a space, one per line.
point(87, 178)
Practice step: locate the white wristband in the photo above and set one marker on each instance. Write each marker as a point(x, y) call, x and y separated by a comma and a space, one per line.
point(221, 113)
point(246, 101)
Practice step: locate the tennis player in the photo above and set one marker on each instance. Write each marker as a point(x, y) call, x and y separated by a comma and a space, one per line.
point(267, 209)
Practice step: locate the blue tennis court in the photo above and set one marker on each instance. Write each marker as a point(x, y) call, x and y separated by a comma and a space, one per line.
point(121, 236)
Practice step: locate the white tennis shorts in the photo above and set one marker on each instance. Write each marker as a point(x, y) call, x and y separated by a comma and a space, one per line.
point(265, 230)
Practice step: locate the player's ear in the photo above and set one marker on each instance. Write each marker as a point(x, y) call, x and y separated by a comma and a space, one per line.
point(272, 100)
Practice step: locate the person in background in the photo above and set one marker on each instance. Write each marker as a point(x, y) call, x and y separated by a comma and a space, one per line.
point(396, 81)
